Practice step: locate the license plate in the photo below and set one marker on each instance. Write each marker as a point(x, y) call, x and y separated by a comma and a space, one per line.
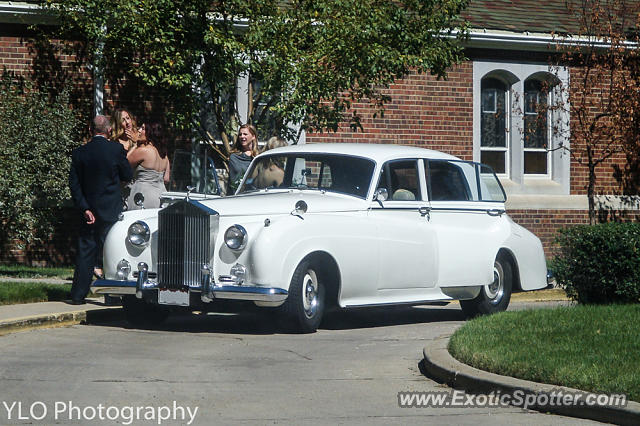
point(179, 298)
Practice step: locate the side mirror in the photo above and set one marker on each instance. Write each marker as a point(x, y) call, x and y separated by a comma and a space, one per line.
point(138, 199)
point(381, 194)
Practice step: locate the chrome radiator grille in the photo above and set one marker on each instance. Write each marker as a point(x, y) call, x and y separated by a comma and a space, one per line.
point(184, 237)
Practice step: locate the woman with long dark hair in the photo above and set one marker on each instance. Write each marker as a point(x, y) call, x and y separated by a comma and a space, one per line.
point(151, 166)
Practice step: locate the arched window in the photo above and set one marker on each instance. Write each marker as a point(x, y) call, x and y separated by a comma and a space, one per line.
point(494, 143)
point(536, 128)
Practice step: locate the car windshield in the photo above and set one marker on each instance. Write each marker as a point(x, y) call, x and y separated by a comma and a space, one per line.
point(189, 170)
point(330, 172)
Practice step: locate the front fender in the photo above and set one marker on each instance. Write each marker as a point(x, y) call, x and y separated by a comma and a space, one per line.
point(117, 247)
point(350, 241)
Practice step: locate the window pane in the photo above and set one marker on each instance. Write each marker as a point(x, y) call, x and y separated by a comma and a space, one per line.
point(490, 185)
point(535, 163)
point(489, 97)
point(401, 180)
point(493, 115)
point(495, 159)
point(189, 169)
point(535, 117)
point(348, 175)
point(447, 182)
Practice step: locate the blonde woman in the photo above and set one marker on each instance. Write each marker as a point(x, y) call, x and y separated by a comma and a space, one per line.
point(245, 149)
point(124, 129)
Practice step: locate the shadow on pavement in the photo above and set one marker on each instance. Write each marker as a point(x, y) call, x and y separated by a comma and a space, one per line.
point(260, 321)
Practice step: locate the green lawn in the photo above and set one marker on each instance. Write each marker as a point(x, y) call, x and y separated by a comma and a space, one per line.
point(22, 271)
point(12, 293)
point(593, 348)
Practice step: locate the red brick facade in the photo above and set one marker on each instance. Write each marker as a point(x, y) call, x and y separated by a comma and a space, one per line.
point(424, 111)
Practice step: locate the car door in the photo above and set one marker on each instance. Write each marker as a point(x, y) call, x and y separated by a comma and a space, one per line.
point(407, 256)
point(467, 215)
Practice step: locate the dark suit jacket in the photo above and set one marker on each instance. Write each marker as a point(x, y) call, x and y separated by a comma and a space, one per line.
point(97, 168)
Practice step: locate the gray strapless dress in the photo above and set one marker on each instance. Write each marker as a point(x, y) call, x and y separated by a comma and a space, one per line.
point(151, 184)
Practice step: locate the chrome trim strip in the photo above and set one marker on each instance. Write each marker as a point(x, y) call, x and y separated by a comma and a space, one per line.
point(262, 294)
point(437, 302)
point(113, 287)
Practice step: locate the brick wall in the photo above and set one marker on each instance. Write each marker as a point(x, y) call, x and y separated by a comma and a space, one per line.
point(424, 111)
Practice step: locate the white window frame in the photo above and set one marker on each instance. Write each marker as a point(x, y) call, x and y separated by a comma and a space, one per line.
point(557, 181)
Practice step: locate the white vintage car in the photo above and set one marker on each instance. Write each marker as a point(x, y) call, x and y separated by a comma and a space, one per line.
point(319, 225)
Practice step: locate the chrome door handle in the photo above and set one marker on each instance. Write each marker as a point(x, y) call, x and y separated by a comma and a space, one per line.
point(424, 211)
point(495, 212)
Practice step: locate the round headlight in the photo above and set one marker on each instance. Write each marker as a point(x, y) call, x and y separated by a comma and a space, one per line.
point(139, 234)
point(235, 237)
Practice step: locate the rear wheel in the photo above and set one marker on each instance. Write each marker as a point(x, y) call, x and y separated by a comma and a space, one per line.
point(142, 314)
point(495, 296)
point(304, 306)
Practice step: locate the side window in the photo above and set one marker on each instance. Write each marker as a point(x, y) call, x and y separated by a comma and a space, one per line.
point(326, 180)
point(490, 187)
point(400, 178)
point(447, 182)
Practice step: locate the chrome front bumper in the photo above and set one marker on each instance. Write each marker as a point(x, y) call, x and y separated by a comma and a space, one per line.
point(244, 292)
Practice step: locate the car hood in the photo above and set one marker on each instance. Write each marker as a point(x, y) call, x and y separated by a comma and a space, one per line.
point(273, 202)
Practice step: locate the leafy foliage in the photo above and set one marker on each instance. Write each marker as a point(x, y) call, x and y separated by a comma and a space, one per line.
point(307, 61)
point(36, 137)
point(600, 263)
point(603, 99)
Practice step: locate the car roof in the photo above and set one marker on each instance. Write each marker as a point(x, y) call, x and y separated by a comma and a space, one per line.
point(377, 152)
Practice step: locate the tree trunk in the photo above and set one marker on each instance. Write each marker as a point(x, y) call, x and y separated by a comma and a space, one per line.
point(591, 193)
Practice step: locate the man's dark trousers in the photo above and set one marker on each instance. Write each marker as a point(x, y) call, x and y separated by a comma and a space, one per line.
point(90, 243)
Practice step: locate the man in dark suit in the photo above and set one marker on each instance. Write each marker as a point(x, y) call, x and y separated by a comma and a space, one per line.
point(97, 168)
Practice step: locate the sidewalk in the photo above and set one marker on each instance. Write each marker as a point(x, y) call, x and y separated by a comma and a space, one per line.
point(29, 316)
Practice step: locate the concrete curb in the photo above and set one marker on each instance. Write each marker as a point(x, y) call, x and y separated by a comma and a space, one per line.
point(64, 319)
point(439, 363)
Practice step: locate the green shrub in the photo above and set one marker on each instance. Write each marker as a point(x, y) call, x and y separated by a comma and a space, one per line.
point(38, 130)
point(599, 263)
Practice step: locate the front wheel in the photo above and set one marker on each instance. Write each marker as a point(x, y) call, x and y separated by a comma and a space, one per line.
point(495, 296)
point(304, 306)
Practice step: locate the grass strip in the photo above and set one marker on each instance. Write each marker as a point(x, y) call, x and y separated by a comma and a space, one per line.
point(13, 293)
point(593, 348)
point(24, 271)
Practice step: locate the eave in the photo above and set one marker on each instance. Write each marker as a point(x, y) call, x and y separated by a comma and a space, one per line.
point(23, 13)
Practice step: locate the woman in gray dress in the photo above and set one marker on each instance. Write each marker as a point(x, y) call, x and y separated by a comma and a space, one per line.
point(151, 166)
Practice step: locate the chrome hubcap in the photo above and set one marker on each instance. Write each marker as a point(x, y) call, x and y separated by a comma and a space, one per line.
point(495, 290)
point(310, 293)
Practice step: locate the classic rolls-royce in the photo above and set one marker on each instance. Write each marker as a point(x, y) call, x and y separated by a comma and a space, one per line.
point(319, 225)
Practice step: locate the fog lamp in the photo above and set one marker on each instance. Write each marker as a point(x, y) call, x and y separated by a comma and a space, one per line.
point(122, 270)
point(239, 273)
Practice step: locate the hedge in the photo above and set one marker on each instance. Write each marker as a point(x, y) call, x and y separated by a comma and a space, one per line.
point(599, 264)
